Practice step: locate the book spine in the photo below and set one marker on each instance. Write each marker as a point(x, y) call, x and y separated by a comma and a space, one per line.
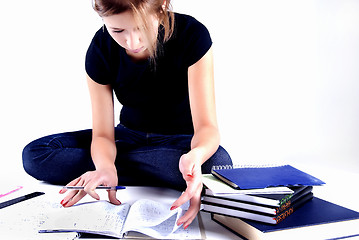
point(283, 207)
point(225, 180)
point(284, 214)
point(284, 201)
point(289, 199)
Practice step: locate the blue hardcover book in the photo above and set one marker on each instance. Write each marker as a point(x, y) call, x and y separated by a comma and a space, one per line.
point(256, 177)
point(317, 219)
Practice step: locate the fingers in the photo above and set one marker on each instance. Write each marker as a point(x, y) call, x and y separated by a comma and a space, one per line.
point(112, 197)
point(76, 195)
point(191, 172)
point(72, 183)
point(90, 190)
point(192, 194)
point(189, 216)
point(90, 181)
point(192, 211)
point(181, 200)
point(194, 187)
point(186, 166)
point(73, 197)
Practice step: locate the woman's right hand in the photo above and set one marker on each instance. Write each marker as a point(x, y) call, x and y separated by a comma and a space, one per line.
point(90, 180)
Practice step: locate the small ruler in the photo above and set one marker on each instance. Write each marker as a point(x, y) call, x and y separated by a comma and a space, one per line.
point(20, 199)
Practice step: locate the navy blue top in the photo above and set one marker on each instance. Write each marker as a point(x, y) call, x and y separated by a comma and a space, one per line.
point(154, 98)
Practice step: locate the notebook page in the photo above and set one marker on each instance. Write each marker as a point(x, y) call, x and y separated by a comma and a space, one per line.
point(192, 232)
point(93, 217)
point(152, 218)
point(23, 220)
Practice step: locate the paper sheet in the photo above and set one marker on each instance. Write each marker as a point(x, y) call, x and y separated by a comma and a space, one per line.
point(92, 217)
point(23, 220)
point(157, 220)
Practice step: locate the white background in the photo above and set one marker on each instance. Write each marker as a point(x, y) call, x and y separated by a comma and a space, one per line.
point(286, 72)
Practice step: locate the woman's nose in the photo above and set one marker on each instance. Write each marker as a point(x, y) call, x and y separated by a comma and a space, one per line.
point(133, 40)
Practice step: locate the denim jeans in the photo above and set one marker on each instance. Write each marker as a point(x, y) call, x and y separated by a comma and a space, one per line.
point(143, 159)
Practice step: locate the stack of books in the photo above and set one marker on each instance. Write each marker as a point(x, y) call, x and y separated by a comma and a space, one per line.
point(258, 201)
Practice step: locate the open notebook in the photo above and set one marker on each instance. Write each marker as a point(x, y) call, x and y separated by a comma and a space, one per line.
point(145, 216)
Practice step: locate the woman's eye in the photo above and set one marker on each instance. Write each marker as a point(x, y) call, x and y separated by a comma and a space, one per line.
point(118, 31)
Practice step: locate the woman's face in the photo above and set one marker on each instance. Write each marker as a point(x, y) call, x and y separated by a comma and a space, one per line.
point(125, 31)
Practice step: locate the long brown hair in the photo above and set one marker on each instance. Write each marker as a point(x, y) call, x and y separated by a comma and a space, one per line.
point(141, 10)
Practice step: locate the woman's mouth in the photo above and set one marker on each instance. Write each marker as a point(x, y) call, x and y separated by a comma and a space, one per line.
point(136, 50)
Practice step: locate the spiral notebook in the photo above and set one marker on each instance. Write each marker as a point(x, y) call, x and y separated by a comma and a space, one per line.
point(257, 177)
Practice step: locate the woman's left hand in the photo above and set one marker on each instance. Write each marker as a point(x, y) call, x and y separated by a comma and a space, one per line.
point(190, 167)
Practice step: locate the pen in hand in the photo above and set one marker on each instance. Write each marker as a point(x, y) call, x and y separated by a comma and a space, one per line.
point(99, 187)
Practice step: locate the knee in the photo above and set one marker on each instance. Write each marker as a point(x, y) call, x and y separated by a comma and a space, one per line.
point(220, 157)
point(30, 158)
point(36, 156)
point(58, 158)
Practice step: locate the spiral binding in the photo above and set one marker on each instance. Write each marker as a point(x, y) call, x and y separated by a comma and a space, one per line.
point(220, 167)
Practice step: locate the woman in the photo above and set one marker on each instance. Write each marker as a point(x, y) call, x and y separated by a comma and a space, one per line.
point(159, 65)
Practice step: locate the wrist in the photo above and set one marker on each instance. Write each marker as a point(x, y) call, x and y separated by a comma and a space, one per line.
point(199, 155)
point(106, 166)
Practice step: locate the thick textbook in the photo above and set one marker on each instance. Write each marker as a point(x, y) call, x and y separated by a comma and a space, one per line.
point(103, 218)
point(255, 215)
point(317, 219)
point(256, 177)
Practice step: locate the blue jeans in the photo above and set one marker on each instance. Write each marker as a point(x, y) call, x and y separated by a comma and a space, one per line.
point(143, 159)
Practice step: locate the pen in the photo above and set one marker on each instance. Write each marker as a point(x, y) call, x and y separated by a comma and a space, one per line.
point(99, 187)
